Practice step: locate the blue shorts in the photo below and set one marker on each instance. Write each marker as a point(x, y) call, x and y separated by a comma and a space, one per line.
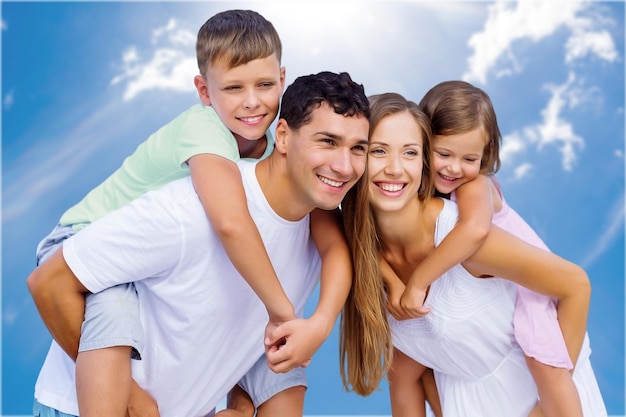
point(261, 383)
point(40, 410)
point(111, 316)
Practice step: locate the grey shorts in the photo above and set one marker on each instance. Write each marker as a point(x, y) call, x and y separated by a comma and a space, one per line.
point(111, 316)
point(261, 383)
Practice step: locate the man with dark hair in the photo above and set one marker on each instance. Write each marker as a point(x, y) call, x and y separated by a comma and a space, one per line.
point(203, 327)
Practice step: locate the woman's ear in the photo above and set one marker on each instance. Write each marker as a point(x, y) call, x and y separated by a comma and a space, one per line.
point(203, 89)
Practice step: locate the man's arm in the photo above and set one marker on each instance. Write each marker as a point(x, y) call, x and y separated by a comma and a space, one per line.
point(60, 300)
point(303, 337)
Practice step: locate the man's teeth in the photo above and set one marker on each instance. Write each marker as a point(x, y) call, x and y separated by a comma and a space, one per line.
point(392, 187)
point(331, 182)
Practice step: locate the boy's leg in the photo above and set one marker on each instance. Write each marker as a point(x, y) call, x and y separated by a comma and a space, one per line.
point(103, 379)
point(110, 333)
point(239, 404)
point(275, 395)
point(286, 403)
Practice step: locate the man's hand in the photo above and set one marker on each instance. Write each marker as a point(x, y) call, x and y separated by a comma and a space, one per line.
point(293, 343)
point(140, 403)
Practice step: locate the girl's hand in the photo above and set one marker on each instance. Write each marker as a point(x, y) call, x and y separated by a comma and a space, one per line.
point(394, 294)
point(412, 302)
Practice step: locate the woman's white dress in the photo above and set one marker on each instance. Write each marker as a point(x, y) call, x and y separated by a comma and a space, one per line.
point(469, 342)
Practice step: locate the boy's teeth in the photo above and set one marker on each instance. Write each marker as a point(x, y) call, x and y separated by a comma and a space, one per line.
point(251, 119)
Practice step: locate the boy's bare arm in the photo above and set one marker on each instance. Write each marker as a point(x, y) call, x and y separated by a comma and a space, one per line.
point(475, 204)
point(303, 337)
point(60, 300)
point(218, 183)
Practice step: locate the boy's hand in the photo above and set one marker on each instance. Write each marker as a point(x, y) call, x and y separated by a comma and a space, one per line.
point(412, 303)
point(293, 343)
point(140, 403)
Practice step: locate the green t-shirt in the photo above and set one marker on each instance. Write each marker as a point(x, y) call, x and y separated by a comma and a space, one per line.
point(160, 159)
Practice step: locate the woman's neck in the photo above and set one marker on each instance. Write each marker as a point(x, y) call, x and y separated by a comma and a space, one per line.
point(407, 236)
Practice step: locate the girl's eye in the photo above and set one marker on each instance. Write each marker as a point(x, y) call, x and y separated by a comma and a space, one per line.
point(377, 151)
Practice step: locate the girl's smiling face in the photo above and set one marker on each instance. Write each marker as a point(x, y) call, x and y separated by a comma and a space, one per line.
point(456, 159)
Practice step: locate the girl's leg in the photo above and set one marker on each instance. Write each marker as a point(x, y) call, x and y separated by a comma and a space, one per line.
point(405, 387)
point(103, 379)
point(431, 393)
point(558, 396)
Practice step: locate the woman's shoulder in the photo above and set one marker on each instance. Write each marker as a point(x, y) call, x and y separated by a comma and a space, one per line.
point(446, 214)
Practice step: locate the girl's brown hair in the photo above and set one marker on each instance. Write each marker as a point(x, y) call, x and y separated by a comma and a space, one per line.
point(456, 107)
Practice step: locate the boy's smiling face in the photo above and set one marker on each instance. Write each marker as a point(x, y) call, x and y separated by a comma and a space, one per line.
point(245, 97)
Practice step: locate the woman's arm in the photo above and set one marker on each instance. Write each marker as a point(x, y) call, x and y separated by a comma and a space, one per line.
point(504, 255)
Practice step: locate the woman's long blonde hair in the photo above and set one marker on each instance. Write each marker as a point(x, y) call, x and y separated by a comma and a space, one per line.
point(365, 338)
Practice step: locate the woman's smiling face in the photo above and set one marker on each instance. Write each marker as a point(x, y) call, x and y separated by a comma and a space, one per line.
point(395, 162)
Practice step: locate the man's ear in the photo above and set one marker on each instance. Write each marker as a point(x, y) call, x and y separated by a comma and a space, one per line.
point(282, 136)
point(203, 89)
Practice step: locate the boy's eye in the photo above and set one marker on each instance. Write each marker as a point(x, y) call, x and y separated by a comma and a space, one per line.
point(231, 87)
point(267, 85)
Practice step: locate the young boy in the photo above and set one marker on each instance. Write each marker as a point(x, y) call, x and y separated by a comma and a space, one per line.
point(239, 86)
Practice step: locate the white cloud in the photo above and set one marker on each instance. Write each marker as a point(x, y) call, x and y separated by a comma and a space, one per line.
point(508, 22)
point(512, 144)
point(553, 129)
point(172, 64)
point(523, 171)
point(613, 230)
point(619, 153)
point(8, 100)
point(579, 45)
point(5, 25)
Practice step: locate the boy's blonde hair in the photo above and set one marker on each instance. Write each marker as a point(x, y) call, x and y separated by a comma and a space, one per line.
point(236, 37)
point(456, 107)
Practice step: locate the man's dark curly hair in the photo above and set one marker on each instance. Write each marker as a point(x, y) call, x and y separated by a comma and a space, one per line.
point(309, 92)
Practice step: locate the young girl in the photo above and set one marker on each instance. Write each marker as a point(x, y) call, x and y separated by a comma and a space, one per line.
point(468, 339)
point(465, 156)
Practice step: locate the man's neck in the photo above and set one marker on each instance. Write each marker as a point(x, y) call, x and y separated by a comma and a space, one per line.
point(278, 189)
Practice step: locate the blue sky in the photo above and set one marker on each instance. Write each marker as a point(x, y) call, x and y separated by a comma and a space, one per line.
point(83, 83)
